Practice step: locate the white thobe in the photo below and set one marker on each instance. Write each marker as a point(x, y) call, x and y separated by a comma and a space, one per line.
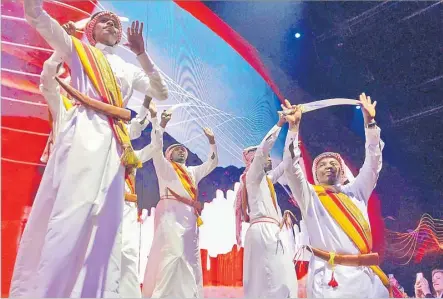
point(51, 92)
point(82, 187)
point(326, 234)
point(174, 263)
point(129, 284)
point(289, 236)
point(268, 270)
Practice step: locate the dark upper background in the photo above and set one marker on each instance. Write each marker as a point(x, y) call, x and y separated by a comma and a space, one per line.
point(393, 51)
point(390, 50)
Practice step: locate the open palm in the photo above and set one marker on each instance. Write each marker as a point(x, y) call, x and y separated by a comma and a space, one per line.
point(135, 38)
point(367, 106)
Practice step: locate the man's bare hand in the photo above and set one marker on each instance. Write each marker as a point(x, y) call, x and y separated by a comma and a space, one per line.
point(166, 117)
point(152, 107)
point(210, 135)
point(293, 114)
point(135, 38)
point(424, 286)
point(368, 108)
point(281, 120)
point(70, 28)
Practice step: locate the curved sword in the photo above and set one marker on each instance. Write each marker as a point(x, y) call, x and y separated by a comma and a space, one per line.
point(308, 107)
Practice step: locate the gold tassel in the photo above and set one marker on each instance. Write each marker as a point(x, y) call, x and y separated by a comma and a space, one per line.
point(199, 221)
point(129, 158)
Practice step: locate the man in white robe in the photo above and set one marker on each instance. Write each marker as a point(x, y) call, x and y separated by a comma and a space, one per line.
point(174, 264)
point(268, 270)
point(333, 270)
point(59, 106)
point(130, 284)
point(83, 184)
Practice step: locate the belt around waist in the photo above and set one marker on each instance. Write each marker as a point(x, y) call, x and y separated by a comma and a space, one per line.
point(353, 260)
point(264, 219)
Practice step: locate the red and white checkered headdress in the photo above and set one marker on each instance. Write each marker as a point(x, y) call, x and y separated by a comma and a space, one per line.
point(88, 25)
point(345, 172)
point(170, 149)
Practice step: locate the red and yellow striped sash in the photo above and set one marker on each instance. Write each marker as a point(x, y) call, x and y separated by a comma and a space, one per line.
point(130, 181)
point(272, 191)
point(347, 216)
point(351, 220)
point(99, 72)
point(130, 196)
point(186, 180)
point(66, 103)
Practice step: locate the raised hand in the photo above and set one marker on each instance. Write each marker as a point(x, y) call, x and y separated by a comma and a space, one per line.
point(424, 286)
point(69, 28)
point(135, 38)
point(293, 113)
point(418, 291)
point(210, 135)
point(281, 120)
point(152, 107)
point(166, 117)
point(368, 107)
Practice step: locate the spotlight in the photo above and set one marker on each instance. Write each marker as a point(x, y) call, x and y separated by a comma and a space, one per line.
point(297, 35)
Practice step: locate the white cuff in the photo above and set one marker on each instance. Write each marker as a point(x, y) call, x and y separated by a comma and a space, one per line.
point(146, 63)
point(291, 137)
point(372, 136)
point(142, 113)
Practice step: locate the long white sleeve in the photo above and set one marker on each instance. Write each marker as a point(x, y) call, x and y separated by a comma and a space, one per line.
point(160, 163)
point(49, 88)
point(137, 126)
point(207, 167)
point(256, 171)
point(299, 185)
point(276, 173)
point(48, 28)
point(148, 79)
point(147, 153)
point(366, 180)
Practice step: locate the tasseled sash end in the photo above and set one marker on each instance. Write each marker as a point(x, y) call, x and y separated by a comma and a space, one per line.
point(332, 283)
point(129, 159)
point(199, 221)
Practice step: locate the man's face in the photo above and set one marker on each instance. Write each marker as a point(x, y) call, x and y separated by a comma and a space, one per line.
point(106, 31)
point(437, 281)
point(268, 165)
point(328, 171)
point(179, 154)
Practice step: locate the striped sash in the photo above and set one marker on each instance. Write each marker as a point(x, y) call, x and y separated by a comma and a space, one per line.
point(351, 220)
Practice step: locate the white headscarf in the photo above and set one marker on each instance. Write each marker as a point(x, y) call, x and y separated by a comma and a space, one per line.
point(170, 149)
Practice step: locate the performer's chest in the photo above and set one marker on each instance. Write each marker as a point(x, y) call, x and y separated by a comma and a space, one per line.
point(122, 73)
